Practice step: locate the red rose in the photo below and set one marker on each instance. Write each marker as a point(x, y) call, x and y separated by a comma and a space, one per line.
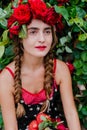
point(14, 31)
point(71, 67)
point(38, 8)
point(22, 14)
point(59, 25)
point(51, 16)
point(11, 20)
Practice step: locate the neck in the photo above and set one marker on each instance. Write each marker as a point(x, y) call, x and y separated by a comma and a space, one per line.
point(32, 62)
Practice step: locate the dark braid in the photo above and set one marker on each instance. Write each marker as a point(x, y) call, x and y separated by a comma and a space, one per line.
point(48, 64)
point(48, 77)
point(17, 78)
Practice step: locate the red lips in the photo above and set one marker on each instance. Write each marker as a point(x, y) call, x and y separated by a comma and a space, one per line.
point(41, 48)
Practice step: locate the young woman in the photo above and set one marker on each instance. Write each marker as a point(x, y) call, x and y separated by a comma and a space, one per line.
point(32, 82)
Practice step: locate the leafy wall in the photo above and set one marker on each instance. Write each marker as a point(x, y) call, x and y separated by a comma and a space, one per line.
point(71, 47)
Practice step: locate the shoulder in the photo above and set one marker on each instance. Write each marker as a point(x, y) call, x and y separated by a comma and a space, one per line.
point(11, 66)
point(6, 79)
point(62, 71)
point(61, 66)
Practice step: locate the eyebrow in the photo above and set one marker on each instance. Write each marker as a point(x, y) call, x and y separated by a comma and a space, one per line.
point(36, 28)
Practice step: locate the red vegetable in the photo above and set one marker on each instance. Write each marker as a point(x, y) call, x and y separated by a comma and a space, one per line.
point(39, 117)
point(33, 125)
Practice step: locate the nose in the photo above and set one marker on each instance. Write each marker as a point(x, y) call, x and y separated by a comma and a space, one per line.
point(41, 37)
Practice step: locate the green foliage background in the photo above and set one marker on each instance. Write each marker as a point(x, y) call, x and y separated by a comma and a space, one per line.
point(71, 47)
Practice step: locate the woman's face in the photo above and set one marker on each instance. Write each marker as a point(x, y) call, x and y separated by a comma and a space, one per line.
point(39, 38)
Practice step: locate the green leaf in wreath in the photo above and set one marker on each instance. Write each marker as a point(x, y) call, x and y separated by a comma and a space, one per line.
point(9, 10)
point(5, 39)
point(5, 35)
point(3, 23)
point(2, 49)
point(2, 13)
point(23, 32)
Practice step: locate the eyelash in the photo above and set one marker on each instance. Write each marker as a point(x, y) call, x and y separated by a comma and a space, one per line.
point(48, 31)
point(34, 32)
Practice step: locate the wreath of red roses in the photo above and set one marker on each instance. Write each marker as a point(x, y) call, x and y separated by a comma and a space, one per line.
point(33, 9)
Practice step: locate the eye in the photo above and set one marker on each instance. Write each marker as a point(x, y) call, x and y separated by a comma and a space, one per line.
point(33, 32)
point(48, 31)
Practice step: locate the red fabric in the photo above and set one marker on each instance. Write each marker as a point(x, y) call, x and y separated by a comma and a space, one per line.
point(54, 69)
point(31, 98)
point(10, 71)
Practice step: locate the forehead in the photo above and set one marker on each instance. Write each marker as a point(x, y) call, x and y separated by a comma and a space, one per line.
point(38, 24)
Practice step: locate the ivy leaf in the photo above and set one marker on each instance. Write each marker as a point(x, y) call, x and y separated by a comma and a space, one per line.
point(84, 110)
point(63, 11)
point(5, 35)
point(79, 21)
point(68, 49)
point(9, 10)
point(9, 50)
point(66, 39)
point(2, 13)
point(5, 39)
point(80, 12)
point(82, 37)
point(3, 23)
point(84, 56)
point(85, 67)
point(2, 49)
point(78, 64)
point(63, 40)
point(15, 3)
point(79, 71)
point(72, 11)
point(74, 2)
point(81, 46)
